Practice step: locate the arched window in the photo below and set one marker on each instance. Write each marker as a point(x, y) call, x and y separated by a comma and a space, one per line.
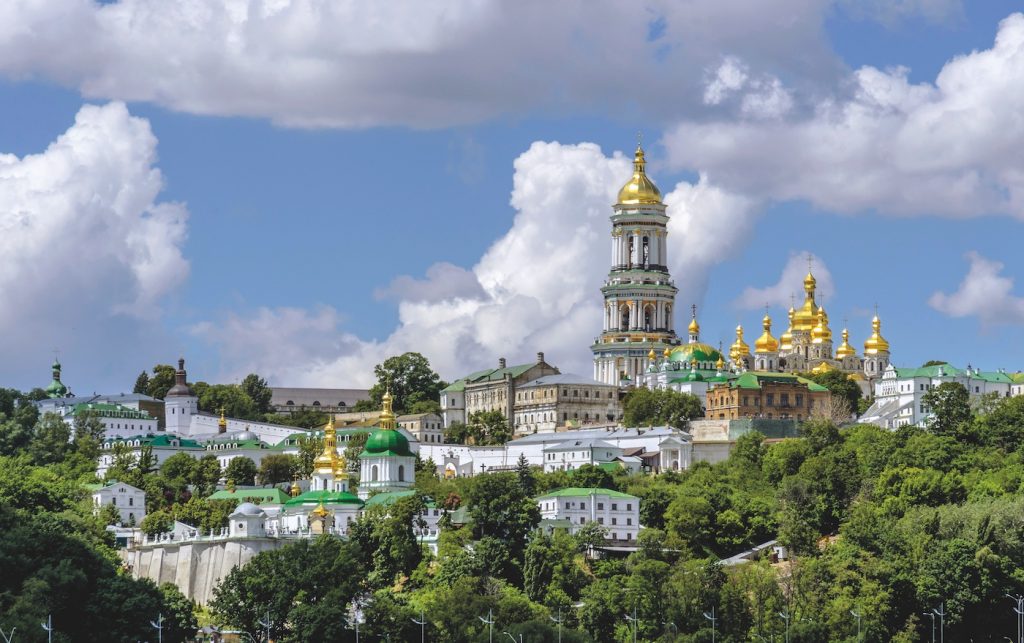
point(645, 258)
point(316, 402)
point(401, 473)
point(373, 473)
point(648, 316)
point(624, 323)
point(289, 403)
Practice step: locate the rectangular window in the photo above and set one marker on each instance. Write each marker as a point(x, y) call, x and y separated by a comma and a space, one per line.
point(770, 399)
point(629, 506)
point(615, 521)
point(567, 505)
point(600, 506)
point(629, 521)
point(799, 399)
point(600, 520)
point(583, 505)
point(615, 507)
point(785, 399)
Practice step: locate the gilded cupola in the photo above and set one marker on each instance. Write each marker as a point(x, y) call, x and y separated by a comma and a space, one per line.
point(876, 344)
point(786, 340)
point(806, 318)
point(325, 462)
point(387, 416)
point(739, 348)
point(766, 343)
point(694, 327)
point(821, 332)
point(639, 189)
point(845, 350)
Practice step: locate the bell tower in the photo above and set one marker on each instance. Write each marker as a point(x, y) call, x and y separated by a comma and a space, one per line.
point(639, 296)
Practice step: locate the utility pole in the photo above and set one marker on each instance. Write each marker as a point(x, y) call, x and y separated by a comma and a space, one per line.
point(632, 620)
point(559, 622)
point(158, 625)
point(785, 616)
point(941, 613)
point(7, 637)
point(489, 621)
point(711, 617)
point(423, 626)
point(266, 624)
point(931, 614)
point(48, 626)
point(856, 616)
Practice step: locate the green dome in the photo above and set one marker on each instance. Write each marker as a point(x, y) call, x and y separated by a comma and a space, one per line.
point(694, 376)
point(698, 352)
point(387, 442)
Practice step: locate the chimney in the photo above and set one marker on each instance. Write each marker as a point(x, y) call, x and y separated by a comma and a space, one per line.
point(540, 357)
point(501, 362)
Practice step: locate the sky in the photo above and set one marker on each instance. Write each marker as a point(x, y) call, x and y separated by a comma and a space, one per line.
point(302, 189)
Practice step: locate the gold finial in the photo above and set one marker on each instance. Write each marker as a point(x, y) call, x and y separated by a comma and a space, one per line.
point(651, 354)
point(222, 423)
point(845, 350)
point(694, 327)
point(325, 462)
point(766, 343)
point(876, 344)
point(296, 489)
point(387, 416)
point(639, 189)
point(666, 352)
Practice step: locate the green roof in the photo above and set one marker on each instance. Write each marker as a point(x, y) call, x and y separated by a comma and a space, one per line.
point(387, 442)
point(388, 497)
point(948, 370)
point(326, 497)
point(271, 495)
point(754, 380)
point(162, 440)
point(1017, 378)
point(104, 409)
point(581, 492)
point(238, 444)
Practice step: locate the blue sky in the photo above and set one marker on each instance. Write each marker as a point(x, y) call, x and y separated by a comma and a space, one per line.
point(296, 204)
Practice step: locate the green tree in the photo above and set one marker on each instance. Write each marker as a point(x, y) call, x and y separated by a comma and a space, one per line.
point(255, 387)
point(385, 536)
point(180, 467)
point(950, 406)
point(161, 382)
point(51, 439)
point(235, 402)
point(489, 427)
point(840, 386)
point(278, 468)
point(141, 383)
point(410, 379)
point(180, 623)
point(643, 407)
point(457, 433)
point(425, 406)
point(206, 475)
point(241, 470)
point(157, 522)
point(306, 418)
point(353, 449)
point(589, 475)
point(310, 447)
point(500, 509)
point(89, 433)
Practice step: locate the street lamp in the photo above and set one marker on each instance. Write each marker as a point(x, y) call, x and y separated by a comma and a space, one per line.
point(48, 626)
point(266, 624)
point(632, 620)
point(158, 625)
point(711, 617)
point(489, 621)
point(931, 614)
point(1019, 610)
point(514, 638)
point(423, 626)
point(559, 622)
point(785, 616)
point(941, 613)
point(856, 616)
point(7, 637)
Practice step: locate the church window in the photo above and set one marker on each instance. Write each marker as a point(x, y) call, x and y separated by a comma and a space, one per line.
point(632, 243)
point(373, 473)
point(647, 251)
point(401, 473)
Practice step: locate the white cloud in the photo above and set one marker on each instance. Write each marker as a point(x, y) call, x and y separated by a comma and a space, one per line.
point(355, 64)
point(790, 285)
point(951, 147)
point(537, 288)
point(89, 252)
point(984, 293)
point(761, 97)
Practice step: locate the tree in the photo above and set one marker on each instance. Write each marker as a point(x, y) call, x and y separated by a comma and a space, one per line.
point(488, 427)
point(841, 387)
point(206, 475)
point(353, 449)
point(950, 406)
point(156, 522)
point(589, 475)
point(141, 383)
point(500, 509)
point(934, 362)
point(310, 447)
point(180, 623)
point(161, 382)
point(643, 407)
point(235, 402)
point(241, 470)
point(410, 379)
point(51, 439)
point(255, 387)
point(307, 418)
point(425, 406)
point(179, 467)
point(456, 433)
point(280, 467)
point(385, 536)
point(89, 433)
point(525, 474)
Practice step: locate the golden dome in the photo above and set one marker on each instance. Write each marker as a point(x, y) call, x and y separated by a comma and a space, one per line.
point(766, 343)
point(650, 355)
point(296, 489)
point(325, 462)
point(340, 467)
point(694, 327)
point(387, 416)
point(845, 350)
point(786, 340)
point(806, 318)
point(876, 343)
point(720, 364)
point(665, 353)
point(222, 423)
point(821, 332)
point(639, 189)
point(739, 348)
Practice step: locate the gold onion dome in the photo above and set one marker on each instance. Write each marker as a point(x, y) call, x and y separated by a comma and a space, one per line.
point(786, 340)
point(876, 343)
point(665, 353)
point(806, 318)
point(694, 327)
point(387, 416)
point(823, 367)
point(329, 456)
point(845, 350)
point(296, 489)
point(639, 189)
point(651, 354)
point(821, 332)
point(720, 364)
point(766, 343)
point(739, 348)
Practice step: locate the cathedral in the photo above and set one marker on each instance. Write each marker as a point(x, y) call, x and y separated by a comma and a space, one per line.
point(639, 346)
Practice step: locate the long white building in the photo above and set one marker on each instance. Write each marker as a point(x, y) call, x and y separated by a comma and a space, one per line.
point(618, 513)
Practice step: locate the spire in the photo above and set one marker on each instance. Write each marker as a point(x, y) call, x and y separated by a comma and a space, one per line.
point(739, 348)
point(325, 462)
point(694, 327)
point(222, 423)
point(845, 350)
point(181, 387)
point(387, 416)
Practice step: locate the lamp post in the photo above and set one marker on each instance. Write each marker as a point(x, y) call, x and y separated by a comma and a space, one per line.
point(355, 619)
point(1019, 610)
point(7, 637)
point(490, 624)
point(559, 622)
point(48, 626)
point(932, 615)
point(265, 623)
point(941, 613)
point(158, 625)
point(856, 615)
point(785, 616)
point(423, 626)
point(711, 617)
point(632, 620)
point(514, 638)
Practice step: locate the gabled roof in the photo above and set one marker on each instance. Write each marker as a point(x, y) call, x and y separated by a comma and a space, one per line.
point(582, 492)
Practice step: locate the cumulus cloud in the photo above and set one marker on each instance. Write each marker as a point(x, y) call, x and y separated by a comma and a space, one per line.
point(355, 64)
point(951, 147)
point(760, 97)
point(89, 252)
point(537, 288)
point(790, 285)
point(985, 293)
